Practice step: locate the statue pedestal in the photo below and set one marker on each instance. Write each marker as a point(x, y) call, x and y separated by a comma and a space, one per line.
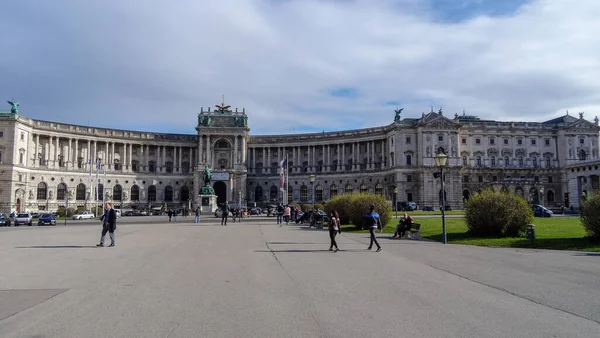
point(208, 203)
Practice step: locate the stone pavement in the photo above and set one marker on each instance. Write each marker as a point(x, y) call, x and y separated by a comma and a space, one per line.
point(255, 279)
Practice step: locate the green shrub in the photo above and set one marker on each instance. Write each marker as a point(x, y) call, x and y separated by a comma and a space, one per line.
point(589, 212)
point(305, 207)
point(497, 214)
point(359, 207)
point(70, 212)
point(340, 203)
point(319, 206)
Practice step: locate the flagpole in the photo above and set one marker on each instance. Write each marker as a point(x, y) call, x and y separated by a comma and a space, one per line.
point(97, 185)
point(286, 180)
point(91, 166)
point(104, 187)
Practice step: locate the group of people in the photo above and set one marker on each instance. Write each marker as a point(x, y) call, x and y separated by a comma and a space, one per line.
point(236, 212)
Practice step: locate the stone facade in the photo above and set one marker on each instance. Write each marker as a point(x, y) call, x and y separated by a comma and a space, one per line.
point(45, 165)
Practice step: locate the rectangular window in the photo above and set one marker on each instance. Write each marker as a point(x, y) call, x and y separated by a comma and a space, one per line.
point(532, 142)
point(465, 178)
point(1, 133)
point(477, 141)
point(407, 139)
point(409, 197)
point(464, 141)
point(581, 141)
point(536, 178)
point(441, 138)
point(550, 179)
point(506, 141)
point(408, 178)
point(480, 179)
point(547, 142)
point(494, 178)
point(519, 142)
point(21, 157)
point(22, 136)
point(492, 141)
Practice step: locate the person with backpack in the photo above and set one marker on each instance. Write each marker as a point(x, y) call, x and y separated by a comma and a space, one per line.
point(225, 213)
point(373, 221)
point(334, 229)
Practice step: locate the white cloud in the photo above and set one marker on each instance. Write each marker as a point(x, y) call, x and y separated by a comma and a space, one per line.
point(160, 61)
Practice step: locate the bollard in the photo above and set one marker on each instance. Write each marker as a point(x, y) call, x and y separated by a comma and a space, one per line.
point(530, 232)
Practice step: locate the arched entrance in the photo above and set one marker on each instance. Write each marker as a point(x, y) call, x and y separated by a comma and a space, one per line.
point(18, 205)
point(466, 195)
point(221, 192)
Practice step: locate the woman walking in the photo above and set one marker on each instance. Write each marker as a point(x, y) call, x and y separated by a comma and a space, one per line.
point(334, 229)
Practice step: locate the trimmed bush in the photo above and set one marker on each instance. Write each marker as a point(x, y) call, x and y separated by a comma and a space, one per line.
point(341, 203)
point(305, 207)
point(589, 213)
point(319, 206)
point(70, 212)
point(360, 204)
point(492, 213)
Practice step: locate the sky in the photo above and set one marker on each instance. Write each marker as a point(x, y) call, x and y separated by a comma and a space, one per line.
point(298, 65)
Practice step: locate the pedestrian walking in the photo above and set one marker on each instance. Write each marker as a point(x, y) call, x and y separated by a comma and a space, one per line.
point(197, 218)
point(373, 221)
point(170, 214)
point(334, 229)
point(175, 215)
point(225, 213)
point(109, 224)
point(279, 214)
point(287, 211)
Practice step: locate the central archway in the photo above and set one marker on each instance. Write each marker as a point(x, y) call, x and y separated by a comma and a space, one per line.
point(221, 192)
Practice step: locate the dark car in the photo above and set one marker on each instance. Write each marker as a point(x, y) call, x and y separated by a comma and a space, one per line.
point(4, 220)
point(47, 219)
point(540, 211)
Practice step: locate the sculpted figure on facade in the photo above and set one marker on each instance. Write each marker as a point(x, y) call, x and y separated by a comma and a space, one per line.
point(31, 194)
point(51, 194)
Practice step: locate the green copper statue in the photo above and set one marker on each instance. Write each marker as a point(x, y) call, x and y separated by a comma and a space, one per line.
point(14, 106)
point(207, 174)
point(204, 120)
point(398, 112)
point(240, 121)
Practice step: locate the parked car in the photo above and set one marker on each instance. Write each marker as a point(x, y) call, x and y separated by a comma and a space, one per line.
point(255, 211)
point(219, 213)
point(409, 206)
point(540, 211)
point(4, 220)
point(23, 218)
point(83, 215)
point(47, 219)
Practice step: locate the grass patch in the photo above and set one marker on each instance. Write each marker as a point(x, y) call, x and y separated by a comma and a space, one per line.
point(422, 213)
point(557, 233)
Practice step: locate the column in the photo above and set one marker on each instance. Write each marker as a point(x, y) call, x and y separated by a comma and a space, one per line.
point(264, 154)
point(200, 146)
point(328, 157)
point(343, 157)
point(235, 150)
point(253, 160)
point(243, 149)
point(106, 156)
point(89, 160)
point(112, 156)
point(339, 151)
point(69, 155)
point(278, 155)
point(268, 166)
point(372, 161)
point(130, 157)
point(179, 159)
point(294, 159)
point(36, 157)
point(55, 157)
point(383, 154)
point(309, 158)
point(368, 166)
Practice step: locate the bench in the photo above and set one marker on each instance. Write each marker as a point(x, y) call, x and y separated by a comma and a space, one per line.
point(414, 232)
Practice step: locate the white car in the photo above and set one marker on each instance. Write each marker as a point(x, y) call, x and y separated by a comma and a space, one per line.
point(83, 215)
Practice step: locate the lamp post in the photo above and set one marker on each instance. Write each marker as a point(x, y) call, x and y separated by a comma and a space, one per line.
point(395, 202)
point(312, 183)
point(440, 161)
point(68, 196)
point(541, 196)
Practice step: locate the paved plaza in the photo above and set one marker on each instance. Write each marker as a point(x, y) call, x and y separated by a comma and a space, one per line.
point(256, 279)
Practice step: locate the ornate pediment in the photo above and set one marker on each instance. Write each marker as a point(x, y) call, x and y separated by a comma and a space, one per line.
point(433, 120)
point(464, 153)
point(478, 153)
point(492, 151)
point(548, 154)
point(521, 152)
point(507, 152)
point(534, 154)
point(582, 124)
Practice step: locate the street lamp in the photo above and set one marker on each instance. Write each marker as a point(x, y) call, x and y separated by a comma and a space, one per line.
point(395, 202)
point(440, 161)
point(312, 183)
point(541, 196)
point(68, 196)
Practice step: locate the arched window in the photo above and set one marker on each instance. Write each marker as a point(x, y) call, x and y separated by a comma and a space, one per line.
point(493, 161)
point(80, 192)
point(168, 193)
point(348, 189)
point(117, 193)
point(258, 194)
point(61, 191)
point(135, 193)
point(273, 194)
point(582, 155)
point(534, 162)
point(465, 160)
point(319, 193)
point(520, 161)
point(42, 191)
point(184, 193)
point(478, 160)
point(303, 193)
point(333, 191)
point(151, 193)
point(363, 188)
point(379, 189)
point(169, 166)
point(152, 166)
point(550, 196)
point(100, 190)
point(408, 160)
point(506, 161)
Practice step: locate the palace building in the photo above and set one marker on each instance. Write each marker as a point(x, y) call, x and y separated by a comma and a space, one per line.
point(46, 165)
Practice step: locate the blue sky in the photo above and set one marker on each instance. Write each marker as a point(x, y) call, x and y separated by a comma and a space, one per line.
point(298, 65)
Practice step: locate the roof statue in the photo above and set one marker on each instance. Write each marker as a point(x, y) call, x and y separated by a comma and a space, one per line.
point(398, 112)
point(580, 115)
point(14, 106)
point(440, 111)
point(222, 108)
point(240, 121)
point(204, 120)
point(596, 120)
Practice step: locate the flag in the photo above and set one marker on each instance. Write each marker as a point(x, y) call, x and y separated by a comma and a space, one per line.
point(283, 166)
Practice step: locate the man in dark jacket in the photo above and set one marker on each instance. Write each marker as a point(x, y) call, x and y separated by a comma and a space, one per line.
point(225, 213)
point(372, 221)
point(109, 224)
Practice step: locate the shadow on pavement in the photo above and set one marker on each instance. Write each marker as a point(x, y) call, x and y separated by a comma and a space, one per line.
point(592, 254)
point(298, 250)
point(56, 247)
